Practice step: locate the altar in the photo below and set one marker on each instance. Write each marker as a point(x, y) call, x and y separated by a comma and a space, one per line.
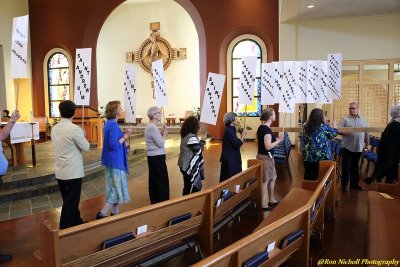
point(20, 133)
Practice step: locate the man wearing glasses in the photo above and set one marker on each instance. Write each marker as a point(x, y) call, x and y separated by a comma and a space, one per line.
point(353, 145)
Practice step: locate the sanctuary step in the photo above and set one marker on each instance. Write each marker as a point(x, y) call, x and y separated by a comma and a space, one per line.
point(47, 184)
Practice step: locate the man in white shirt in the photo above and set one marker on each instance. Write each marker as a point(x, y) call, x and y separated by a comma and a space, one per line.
point(68, 143)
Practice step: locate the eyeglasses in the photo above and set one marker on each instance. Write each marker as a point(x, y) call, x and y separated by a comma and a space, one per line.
point(353, 108)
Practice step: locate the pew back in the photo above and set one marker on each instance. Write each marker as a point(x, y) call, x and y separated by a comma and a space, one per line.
point(82, 245)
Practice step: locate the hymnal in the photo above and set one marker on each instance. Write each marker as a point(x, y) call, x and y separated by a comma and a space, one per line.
point(228, 196)
point(291, 238)
point(224, 192)
point(256, 260)
point(118, 240)
point(180, 218)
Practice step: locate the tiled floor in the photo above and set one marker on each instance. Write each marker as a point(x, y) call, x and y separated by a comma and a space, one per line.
point(90, 189)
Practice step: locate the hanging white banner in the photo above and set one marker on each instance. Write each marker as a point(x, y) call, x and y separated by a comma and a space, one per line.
point(212, 98)
point(324, 97)
point(288, 95)
point(160, 88)
point(130, 94)
point(335, 75)
point(313, 80)
point(301, 81)
point(268, 94)
point(278, 77)
point(247, 80)
point(83, 73)
point(19, 47)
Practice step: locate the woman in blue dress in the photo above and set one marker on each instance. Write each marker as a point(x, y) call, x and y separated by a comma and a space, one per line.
point(114, 158)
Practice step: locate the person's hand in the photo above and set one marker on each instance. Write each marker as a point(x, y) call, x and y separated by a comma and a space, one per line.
point(128, 131)
point(164, 131)
point(280, 138)
point(244, 134)
point(15, 116)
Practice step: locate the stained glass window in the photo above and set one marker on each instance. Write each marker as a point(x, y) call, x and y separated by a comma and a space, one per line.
point(246, 48)
point(58, 81)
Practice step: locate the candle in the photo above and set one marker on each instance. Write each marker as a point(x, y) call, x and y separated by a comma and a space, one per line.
point(31, 116)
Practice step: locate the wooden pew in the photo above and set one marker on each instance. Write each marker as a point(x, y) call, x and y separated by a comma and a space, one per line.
point(244, 197)
point(293, 213)
point(239, 252)
point(82, 245)
point(383, 222)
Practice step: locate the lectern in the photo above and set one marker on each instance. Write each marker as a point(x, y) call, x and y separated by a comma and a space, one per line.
point(93, 124)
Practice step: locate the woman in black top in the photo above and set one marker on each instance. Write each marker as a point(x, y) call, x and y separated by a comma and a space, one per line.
point(266, 144)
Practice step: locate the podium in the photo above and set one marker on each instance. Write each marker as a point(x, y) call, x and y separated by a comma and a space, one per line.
point(92, 123)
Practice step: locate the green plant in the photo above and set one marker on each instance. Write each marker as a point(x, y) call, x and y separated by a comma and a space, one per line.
point(241, 125)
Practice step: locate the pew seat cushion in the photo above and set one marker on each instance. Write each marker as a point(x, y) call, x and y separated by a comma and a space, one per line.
point(383, 226)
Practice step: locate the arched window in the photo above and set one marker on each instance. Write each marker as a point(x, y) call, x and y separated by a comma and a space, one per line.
point(246, 47)
point(58, 80)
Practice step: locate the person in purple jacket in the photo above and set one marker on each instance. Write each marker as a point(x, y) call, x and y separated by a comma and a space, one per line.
point(231, 159)
point(114, 158)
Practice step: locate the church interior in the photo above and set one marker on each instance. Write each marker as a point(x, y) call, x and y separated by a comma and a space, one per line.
point(194, 38)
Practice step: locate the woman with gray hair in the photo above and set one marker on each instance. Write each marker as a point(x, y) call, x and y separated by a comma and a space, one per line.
point(158, 173)
point(389, 151)
point(231, 159)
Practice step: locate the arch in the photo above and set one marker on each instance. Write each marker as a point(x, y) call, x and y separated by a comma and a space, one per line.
point(229, 51)
point(46, 59)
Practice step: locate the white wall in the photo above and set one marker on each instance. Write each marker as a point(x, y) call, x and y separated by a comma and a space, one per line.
point(8, 10)
point(374, 37)
point(125, 30)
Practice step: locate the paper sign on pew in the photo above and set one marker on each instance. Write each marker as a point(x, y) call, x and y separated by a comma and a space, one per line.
point(160, 88)
point(247, 80)
point(19, 47)
point(83, 71)
point(130, 94)
point(212, 98)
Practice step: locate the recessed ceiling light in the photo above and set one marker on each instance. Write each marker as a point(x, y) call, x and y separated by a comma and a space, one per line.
point(310, 6)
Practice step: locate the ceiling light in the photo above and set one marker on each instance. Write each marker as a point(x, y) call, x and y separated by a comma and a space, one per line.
point(310, 6)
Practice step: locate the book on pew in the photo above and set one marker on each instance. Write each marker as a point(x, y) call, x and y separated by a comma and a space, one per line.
point(224, 192)
point(228, 196)
point(118, 240)
point(249, 182)
point(256, 260)
point(180, 218)
point(289, 239)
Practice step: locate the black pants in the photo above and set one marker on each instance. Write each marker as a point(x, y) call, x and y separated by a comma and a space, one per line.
point(391, 171)
point(187, 185)
point(71, 194)
point(229, 169)
point(158, 179)
point(311, 170)
point(350, 168)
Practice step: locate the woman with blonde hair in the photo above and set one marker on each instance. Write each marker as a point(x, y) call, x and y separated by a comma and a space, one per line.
point(266, 144)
